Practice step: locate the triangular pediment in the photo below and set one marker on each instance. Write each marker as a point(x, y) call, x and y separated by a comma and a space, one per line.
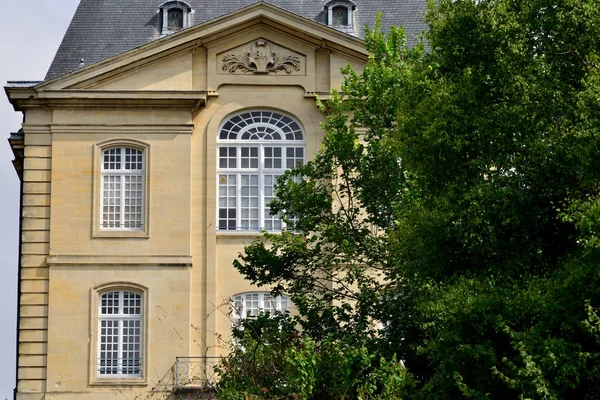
point(168, 63)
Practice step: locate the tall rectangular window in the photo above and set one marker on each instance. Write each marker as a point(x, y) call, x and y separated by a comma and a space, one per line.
point(247, 186)
point(120, 334)
point(122, 194)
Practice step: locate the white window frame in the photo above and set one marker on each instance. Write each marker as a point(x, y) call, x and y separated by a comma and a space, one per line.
point(122, 174)
point(240, 307)
point(284, 138)
point(120, 318)
point(348, 5)
point(164, 10)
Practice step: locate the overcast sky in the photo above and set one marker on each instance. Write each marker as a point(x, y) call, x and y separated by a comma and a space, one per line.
point(26, 48)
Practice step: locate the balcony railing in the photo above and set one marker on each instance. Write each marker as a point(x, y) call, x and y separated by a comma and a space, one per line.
point(196, 372)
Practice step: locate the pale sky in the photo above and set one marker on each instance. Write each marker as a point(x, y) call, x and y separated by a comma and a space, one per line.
point(33, 31)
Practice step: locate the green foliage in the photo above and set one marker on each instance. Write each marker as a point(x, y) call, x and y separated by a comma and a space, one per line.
point(271, 360)
point(456, 201)
point(267, 361)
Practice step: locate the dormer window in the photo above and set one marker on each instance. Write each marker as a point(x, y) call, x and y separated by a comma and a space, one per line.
point(175, 16)
point(175, 19)
point(340, 15)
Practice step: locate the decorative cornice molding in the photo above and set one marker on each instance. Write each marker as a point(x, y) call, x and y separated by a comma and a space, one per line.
point(85, 98)
point(36, 128)
point(123, 129)
point(81, 259)
point(260, 58)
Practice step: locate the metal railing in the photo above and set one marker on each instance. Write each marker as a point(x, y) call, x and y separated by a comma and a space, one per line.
point(196, 372)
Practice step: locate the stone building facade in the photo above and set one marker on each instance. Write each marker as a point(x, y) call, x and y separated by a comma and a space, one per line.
point(147, 158)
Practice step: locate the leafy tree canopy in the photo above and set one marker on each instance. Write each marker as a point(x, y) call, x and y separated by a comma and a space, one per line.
point(271, 360)
point(455, 203)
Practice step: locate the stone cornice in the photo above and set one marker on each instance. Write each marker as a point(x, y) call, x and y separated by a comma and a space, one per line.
point(36, 129)
point(122, 129)
point(76, 260)
point(23, 98)
point(322, 95)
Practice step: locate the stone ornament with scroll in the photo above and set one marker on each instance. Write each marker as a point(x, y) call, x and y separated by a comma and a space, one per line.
point(261, 57)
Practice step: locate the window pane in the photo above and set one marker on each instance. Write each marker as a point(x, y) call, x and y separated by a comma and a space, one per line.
point(120, 334)
point(122, 190)
point(175, 19)
point(133, 159)
point(261, 125)
point(269, 304)
point(227, 201)
point(294, 157)
point(133, 197)
point(227, 157)
point(273, 157)
point(250, 304)
point(237, 308)
point(109, 303)
point(108, 358)
point(132, 303)
point(272, 222)
point(132, 339)
point(247, 200)
point(112, 159)
point(111, 201)
point(249, 157)
point(340, 16)
point(284, 304)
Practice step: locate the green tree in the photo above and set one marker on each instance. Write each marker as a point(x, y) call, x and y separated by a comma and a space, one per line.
point(272, 360)
point(456, 201)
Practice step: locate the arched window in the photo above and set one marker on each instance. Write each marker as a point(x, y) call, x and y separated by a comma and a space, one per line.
point(122, 189)
point(249, 305)
point(254, 149)
point(120, 334)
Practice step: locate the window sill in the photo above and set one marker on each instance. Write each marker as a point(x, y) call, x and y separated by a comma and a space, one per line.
point(119, 382)
point(243, 233)
point(249, 233)
point(120, 234)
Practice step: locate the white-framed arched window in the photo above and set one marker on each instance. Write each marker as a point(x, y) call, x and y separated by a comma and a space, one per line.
point(248, 305)
point(122, 188)
point(120, 334)
point(254, 149)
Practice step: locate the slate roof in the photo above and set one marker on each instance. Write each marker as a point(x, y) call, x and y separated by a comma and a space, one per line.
point(103, 28)
point(21, 84)
point(20, 135)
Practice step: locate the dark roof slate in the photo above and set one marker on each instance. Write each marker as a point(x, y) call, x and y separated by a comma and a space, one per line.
point(20, 135)
point(103, 28)
point(21, 84)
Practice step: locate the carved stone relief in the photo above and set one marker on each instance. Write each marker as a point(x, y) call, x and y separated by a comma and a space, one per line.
point(261, 57)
